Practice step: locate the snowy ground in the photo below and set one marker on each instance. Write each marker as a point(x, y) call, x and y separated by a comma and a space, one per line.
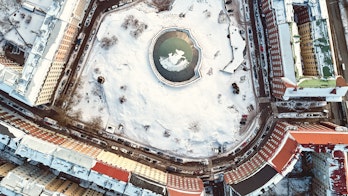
point(188, 121)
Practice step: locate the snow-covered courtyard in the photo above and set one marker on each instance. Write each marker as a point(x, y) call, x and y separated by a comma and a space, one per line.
point(189, 120)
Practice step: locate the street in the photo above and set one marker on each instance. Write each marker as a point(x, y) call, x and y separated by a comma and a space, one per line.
point(341, 52)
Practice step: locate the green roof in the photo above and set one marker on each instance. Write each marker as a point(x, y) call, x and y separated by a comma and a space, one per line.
point(316, 83)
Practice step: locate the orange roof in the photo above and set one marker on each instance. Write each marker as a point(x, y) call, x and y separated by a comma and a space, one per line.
point(111, 171)
point(340, 81)
point(285, 154)
point(320, 137)
point(287, 83)
point(172, 192)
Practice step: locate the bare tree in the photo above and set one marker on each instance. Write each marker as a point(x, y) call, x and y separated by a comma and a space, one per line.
point(61, 117)
point(122, 99)
point(77, 115)
point(223, 18)
point(28, 19)
point(96, 123)
point(107, 42)
point(162, 5)
point(127, 21)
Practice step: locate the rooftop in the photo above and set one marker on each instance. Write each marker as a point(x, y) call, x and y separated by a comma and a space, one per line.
point(39, 27)
point(338, 178)
point(288, 41)
point(313, 82)
point(111, 171)
point(184, 184)
point(285, 155)
point(320, 137)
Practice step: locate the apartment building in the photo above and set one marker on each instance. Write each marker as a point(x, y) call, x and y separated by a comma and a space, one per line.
point(93, 165)
point(301, 51)
point(47, 54)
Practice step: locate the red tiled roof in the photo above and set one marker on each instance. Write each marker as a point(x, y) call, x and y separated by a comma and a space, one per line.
point(287, 84)
point(172, 192)
point(111, 171)
point(284, 156)
point(340, 81)
point(330, 125)
point(315, 127)
point(320, 137)
point(184, 186)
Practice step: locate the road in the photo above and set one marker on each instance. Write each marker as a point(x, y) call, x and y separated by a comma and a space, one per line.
point(337, 30)
point(338, 36)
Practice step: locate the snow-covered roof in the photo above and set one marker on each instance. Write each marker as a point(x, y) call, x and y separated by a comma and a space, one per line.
point(39, 60)
point(27, 29)
point(43, 5)
point(14, 181)
point(36, 78)
point(44, 34)
point(8, 76)
point(280, 11)
point(317, 92)
point(16, 132)
point(321, 7)
point(132, 190)
point(235, 37)
point(287, 29)
point(287, 56)
point(37, 144)
point(75, 158)
point(67, 10)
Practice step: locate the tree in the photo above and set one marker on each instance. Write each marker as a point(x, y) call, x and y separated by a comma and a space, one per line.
point(127, 21)
point(28, 19)
point(61, 117)
point(162, 5)
point(107, 42)
point(96, 123)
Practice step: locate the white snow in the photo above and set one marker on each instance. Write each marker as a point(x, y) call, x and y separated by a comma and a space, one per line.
point(40, 4)
point(187, 120)
point(174, 62)
point(287, 58)
point(16, 132)
point(291, 186)
point(27, 27)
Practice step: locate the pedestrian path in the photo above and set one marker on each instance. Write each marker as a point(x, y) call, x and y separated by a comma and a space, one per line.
point(264, 99)
point(274, 108)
